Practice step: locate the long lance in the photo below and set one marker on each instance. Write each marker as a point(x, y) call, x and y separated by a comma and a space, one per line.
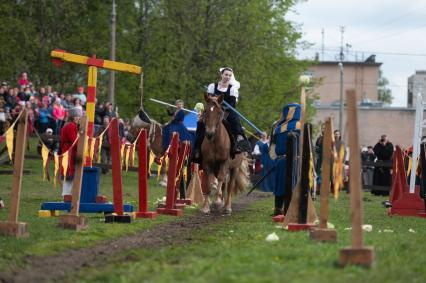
point(272, 169)
point(242, 117)
point(171, 105)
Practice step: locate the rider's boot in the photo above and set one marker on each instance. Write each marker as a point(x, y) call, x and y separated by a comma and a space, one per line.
point(199, 137)
point(234, 148)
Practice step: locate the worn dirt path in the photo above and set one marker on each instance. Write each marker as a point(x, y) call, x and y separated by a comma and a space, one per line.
point(57, 267)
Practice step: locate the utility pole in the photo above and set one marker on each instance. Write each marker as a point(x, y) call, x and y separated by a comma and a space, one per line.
point(342, 31)
point(341, 99)
point(342, 57)
point(322, 45)
point(111, 86)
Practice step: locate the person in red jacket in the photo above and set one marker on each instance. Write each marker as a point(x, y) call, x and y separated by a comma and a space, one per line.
point(69, 134)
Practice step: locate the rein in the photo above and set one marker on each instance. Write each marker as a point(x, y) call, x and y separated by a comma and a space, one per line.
point(221, 113)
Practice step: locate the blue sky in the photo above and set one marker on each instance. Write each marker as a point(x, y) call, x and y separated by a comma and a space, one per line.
point(394, 30)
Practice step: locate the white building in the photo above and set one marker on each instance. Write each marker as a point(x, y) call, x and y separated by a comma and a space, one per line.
point(416, 84)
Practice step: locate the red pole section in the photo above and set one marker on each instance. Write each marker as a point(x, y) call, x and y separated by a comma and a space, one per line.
point(183, 153)
point(143, 176)
point(116, 168)
point(171, 174)
point(170, 208)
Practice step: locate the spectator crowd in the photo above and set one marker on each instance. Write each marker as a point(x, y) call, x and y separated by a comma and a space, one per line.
point(48, 109)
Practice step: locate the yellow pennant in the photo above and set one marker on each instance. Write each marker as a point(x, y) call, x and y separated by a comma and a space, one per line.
point(338, 171)
point(55, 172)
point(185, 174)
point(163, 162)
point(87, 149)
point(9, 141)
point(133, 153)
point(126, 159)
point(311, 170)
point(151, 161)
point(65, 163)
point(410, 164)
point(101, 137)
point(45, 157)
point(92, 149)
point(121, 154)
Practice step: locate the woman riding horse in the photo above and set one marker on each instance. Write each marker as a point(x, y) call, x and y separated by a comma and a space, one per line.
point(228, 88)
point(232, 172)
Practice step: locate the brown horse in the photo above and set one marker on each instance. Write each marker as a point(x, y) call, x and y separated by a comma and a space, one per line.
point(155, 137)
point(217, 161)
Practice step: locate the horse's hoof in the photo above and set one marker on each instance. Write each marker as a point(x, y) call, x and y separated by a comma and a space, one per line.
point(227, 211)
point(163, 183)
point(217, 205)
point(205, 210)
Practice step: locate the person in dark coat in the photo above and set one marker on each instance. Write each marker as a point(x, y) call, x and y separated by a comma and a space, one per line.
point(367, 155)
point(382, 175)
point(176, 125)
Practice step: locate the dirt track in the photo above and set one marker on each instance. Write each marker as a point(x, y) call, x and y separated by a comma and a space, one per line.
point(57, 267)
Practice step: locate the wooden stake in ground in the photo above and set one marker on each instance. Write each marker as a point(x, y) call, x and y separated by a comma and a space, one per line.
point(73, 220)
point(117, 184)
point(357, 254)
point(293, 213)
point(12, 227)
point(194, 191)
point(323, 234)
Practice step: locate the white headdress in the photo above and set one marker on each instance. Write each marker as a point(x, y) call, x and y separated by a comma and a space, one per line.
point(233, 81)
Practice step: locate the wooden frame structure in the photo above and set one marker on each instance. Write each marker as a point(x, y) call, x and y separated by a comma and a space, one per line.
point(93, 64)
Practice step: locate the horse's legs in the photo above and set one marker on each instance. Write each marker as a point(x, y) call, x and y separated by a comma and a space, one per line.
point(163, 176)
point(223, 171)
point(206, 191)
point(228, 203)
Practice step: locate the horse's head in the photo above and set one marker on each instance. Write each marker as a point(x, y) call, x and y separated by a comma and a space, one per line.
point(154, 132)
point(213, 114)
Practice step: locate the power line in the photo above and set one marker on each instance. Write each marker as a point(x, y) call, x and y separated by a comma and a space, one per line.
point(391, 34)
point(364, 84)
point(333, 49)
point(393, 20)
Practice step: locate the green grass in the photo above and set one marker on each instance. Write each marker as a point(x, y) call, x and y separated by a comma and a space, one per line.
point(232, 250)
point(45, 238)
point(235, 250)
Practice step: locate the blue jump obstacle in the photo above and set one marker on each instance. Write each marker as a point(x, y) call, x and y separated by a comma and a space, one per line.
point(89, 192)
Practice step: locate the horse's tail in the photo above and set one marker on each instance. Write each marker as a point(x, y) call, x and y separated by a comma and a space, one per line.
point(242, 177)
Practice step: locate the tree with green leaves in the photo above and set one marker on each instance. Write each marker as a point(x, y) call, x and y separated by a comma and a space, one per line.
point(383, 91)
point(179, 44)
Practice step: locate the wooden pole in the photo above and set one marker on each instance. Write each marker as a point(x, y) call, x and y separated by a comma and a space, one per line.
point(302, 122)
point(111, 86)
point(170, 208)
point(143, 178)
point(18, 166)
point(183, 153)
point(323, 234)
point(354, 172)
point(325, 184)
point(357, 254)
point(117, 185)
point(293, 214)
point(12, 227)
point(92, 78)
point(79, 166)
point(116, 168)
point(73, 220)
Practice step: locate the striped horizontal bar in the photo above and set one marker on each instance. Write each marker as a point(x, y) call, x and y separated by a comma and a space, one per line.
point(85, 60)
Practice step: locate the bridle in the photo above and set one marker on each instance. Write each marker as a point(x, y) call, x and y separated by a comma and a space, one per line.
point(211, 109)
